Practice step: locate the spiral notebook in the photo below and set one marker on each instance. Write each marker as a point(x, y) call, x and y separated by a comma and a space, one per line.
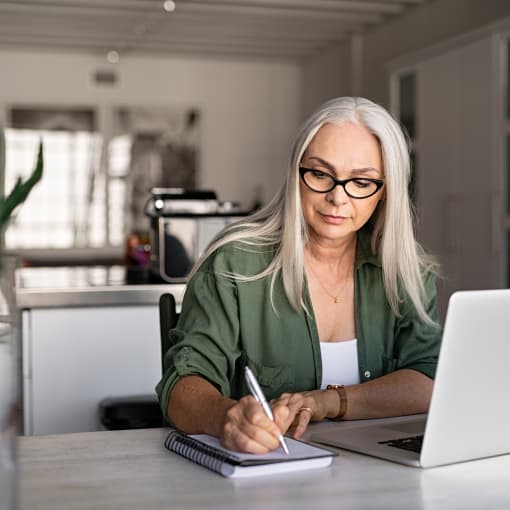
point(207, 451)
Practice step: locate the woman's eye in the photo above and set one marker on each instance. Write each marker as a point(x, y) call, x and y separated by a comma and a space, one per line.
point(361, 184)
point(320, 175)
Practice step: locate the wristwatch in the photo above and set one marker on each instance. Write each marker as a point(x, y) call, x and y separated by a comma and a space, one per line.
point(340, 389)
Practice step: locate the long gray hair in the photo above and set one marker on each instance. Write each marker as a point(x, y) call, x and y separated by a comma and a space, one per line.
point(281, 224)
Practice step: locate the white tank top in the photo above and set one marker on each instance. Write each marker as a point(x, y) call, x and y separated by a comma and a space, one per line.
point(340, 363)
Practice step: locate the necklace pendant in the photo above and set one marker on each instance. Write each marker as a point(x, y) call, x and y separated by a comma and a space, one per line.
point(337, 300)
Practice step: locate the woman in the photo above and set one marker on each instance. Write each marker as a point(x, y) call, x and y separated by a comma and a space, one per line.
point(324, 293)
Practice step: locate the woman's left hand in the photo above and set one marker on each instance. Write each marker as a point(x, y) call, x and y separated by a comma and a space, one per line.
point(303, 408)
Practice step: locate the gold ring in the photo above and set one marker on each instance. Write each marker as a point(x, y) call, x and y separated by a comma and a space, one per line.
point(308, 409)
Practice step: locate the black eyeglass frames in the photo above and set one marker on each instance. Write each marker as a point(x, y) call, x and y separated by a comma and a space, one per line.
point(356, 187)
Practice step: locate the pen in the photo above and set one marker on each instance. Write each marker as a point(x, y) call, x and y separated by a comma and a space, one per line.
point(255, 390)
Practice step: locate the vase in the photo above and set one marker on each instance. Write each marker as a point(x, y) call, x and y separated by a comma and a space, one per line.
point(9, 385)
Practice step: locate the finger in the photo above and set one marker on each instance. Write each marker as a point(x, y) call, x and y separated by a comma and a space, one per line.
point(283, 399)
point(239, 441)
point(248, 438)
point(286, 410)
point(254, 413)
point(247, 428)
point(302, 422)
point(282, 418)
point(297, 402)
point(263, 425)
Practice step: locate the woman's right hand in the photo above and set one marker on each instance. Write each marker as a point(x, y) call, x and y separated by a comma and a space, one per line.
point(246, 428)
point(195, 406)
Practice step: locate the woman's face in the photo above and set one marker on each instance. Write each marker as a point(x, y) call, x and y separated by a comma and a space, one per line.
point(344, 151)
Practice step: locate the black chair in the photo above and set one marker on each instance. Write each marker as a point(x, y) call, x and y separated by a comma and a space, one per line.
point(168, 317)
point(141, 411)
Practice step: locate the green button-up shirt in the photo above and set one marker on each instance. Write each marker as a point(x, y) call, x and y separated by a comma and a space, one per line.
point(225, 324)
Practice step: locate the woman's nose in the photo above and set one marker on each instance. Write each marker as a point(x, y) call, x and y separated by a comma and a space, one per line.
point(337, 195)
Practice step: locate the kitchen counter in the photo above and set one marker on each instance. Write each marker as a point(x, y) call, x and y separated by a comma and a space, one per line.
point(48, 287)
point(78, 321)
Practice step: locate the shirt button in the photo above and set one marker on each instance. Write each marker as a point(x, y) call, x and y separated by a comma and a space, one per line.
point(367, 374)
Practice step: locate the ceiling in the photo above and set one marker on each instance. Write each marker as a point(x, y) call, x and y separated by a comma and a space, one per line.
point(293, 29)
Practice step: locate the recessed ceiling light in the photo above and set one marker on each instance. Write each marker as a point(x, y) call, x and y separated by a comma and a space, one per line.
point(113, 57)
point(169, 5)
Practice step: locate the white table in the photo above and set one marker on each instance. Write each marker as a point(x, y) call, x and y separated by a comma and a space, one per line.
point(131, 470)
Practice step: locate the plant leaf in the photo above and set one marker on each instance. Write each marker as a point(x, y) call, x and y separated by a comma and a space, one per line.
point(2, 156)
point(21, 189)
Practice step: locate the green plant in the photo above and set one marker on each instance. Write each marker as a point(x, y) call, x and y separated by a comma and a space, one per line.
point(21, 189)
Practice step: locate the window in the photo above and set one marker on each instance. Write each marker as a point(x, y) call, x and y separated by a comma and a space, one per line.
point(56, 216)
point(66, 208)
point(97, 177)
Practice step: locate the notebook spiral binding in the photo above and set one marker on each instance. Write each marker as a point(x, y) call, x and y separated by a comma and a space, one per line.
point(199, 453)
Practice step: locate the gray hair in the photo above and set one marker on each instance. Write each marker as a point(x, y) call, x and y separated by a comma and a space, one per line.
point(281, 224)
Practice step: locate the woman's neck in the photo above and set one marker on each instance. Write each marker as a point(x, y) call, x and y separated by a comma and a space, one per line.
point(333, 254)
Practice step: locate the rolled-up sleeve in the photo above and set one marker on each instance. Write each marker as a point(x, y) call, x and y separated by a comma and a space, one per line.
point(206, 339)
point(417, 343)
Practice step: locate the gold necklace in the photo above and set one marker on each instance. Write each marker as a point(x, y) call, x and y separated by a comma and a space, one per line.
point(336, 299)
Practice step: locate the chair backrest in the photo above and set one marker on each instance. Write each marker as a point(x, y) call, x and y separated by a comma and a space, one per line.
point(167, 320)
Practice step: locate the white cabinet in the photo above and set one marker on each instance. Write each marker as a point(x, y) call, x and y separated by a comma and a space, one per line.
point(74, 357)
point(456, 195)
point(459, 146)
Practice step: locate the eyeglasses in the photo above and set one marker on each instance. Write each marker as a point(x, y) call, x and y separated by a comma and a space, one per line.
point(356, 187)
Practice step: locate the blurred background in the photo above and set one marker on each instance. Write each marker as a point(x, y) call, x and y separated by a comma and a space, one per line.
point(132, 95)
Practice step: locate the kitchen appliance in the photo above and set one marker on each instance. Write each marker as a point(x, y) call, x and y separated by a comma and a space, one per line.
point(182, 223)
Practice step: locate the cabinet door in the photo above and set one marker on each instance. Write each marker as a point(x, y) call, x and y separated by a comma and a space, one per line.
point(74, 357)
point(456, 199)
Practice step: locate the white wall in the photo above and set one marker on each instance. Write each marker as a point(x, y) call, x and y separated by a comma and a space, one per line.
point(423, 26)
point(250, 109)
point(420, 27)
point(326, 76)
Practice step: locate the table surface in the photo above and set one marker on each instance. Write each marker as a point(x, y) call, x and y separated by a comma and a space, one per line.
point(131, 469)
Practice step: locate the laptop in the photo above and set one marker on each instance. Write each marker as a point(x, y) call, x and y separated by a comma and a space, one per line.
point(469, 414)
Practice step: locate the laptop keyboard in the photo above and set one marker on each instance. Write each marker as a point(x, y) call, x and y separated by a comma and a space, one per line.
point(412, 444)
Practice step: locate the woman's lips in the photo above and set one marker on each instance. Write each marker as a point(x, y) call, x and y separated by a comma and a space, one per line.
point(333, 219)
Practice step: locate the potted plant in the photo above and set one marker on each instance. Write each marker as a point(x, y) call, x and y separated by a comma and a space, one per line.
point(9, 393)
point(7, 205)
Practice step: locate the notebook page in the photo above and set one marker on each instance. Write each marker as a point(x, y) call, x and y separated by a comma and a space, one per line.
point(297, 450)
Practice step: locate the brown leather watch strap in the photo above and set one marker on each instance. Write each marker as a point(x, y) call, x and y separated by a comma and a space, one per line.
point(340, 389)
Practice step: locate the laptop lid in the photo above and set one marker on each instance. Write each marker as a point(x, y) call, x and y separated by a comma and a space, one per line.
point(469, 413)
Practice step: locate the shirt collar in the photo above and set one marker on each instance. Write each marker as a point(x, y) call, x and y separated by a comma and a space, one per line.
point(364, 253)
